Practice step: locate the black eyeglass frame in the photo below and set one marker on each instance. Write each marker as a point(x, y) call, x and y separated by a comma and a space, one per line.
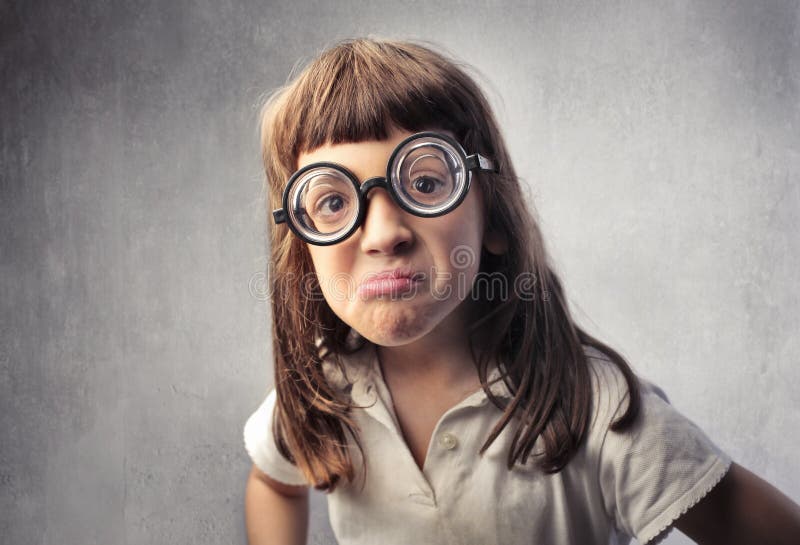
point(470, 163)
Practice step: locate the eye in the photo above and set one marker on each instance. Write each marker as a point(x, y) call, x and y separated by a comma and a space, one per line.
point(426, 184)
point(328, 201)
point(428, 189)
point(329, 207)
point(427, 177)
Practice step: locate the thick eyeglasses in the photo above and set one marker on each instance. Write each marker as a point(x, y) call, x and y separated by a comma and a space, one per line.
point(428, 175)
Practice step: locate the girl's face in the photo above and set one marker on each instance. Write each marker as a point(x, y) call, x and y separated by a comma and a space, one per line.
point(399, 277)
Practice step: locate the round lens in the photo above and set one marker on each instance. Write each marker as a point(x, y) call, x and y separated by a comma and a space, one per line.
point(428, 174)
point(323, 203)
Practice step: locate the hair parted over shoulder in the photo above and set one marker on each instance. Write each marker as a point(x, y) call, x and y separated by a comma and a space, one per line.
point(360, 90)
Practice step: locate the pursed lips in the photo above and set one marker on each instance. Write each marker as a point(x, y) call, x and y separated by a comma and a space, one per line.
point(389, 282)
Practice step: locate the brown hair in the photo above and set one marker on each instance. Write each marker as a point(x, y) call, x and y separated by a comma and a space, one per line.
point(359, 90)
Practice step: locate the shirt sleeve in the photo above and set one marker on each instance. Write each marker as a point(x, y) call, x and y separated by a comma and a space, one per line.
point(653, 472)
point(260, 445)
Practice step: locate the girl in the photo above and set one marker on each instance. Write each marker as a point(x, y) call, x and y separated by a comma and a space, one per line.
point(428, 374)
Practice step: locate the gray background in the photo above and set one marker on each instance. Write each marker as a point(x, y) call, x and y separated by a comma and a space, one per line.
point(659, 141)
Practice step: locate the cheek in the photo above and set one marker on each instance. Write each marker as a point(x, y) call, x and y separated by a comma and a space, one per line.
point(462, 235)
point(333, 269)
point(327, 260)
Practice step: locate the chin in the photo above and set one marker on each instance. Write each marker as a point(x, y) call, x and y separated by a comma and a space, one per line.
point(396, 327)
point(393, 334)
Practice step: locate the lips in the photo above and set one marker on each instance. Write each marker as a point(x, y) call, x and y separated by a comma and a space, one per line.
point(392, 282)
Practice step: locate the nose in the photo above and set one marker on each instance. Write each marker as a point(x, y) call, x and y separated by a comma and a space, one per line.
point(385, 229)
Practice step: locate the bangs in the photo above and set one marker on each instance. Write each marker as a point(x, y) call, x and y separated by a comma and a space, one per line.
point(361, 90)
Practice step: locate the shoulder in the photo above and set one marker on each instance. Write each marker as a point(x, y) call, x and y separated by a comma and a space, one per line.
point(258, 428)
point(608, 381)
point(610, 389)
point(260, 444)
point(611, 393)
point(264, 411)
point(652, 471)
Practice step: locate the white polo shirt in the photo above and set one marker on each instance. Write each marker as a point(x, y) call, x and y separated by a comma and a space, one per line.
point(618, 485)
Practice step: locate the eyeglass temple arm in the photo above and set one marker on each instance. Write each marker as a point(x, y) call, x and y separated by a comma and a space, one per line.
point(279, 215)
point(478, 161)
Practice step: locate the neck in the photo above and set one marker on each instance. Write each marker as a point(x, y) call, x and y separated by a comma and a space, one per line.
point(443, 355)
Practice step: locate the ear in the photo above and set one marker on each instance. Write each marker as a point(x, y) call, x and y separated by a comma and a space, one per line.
point(495, 242)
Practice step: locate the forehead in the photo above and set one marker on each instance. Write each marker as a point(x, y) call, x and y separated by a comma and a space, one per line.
point(352, 154)
point(359, 155)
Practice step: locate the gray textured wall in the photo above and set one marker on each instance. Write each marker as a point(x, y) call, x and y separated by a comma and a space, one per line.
point(659, 139)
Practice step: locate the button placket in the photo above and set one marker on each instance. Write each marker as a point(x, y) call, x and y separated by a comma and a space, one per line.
point(377, 401)
point(448, 441)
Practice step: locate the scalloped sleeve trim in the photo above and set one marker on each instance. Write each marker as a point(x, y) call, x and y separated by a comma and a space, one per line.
point(661, 526)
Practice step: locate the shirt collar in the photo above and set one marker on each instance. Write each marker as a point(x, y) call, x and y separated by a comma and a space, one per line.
point(361, 377)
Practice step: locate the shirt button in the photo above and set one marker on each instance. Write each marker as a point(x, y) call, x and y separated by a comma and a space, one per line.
point(448, 441)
